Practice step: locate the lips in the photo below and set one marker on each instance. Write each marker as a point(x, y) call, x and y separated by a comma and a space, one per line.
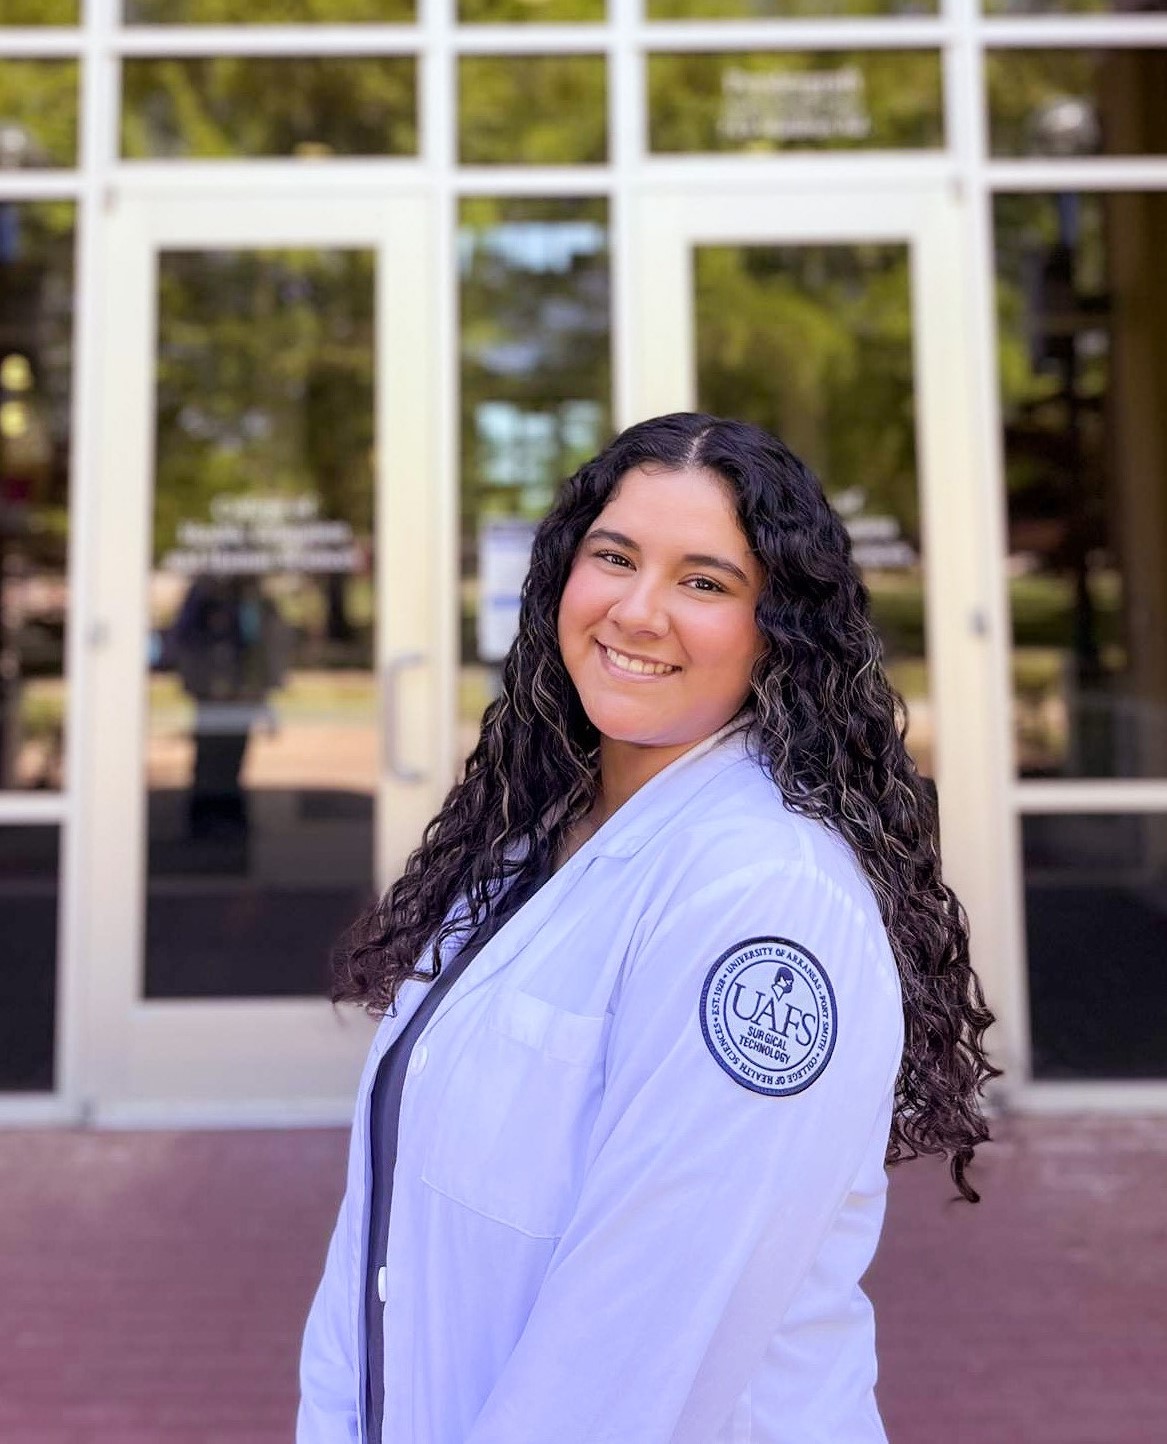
point(631, 666)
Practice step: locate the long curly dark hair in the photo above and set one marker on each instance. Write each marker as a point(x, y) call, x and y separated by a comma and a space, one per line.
point(827, 726)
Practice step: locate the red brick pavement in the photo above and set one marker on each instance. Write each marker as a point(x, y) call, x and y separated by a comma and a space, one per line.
point(153, 1287)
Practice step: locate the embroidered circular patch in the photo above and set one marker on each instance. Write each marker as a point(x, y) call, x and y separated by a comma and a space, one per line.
point(768, 1015)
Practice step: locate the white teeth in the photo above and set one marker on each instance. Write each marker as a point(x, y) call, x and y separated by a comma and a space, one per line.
point(634, 664)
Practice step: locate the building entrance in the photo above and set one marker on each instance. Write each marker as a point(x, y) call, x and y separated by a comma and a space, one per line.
point(270, 724)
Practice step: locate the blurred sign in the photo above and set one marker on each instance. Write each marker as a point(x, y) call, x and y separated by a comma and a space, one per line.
point(504, 555)
point(877, 542)
point(254, 535)
point(787, 105)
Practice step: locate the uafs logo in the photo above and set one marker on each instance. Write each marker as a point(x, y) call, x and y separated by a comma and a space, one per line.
point(768, 1015)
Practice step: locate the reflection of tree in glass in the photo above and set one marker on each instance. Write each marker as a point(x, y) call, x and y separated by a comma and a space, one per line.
point(782, 9)
point(265, 388)
point(536, 11)
point(1067, 7)
point(260, 12)
point(532, 109)
point(36, 314)
point(814, 342)
point(38, 113)
point(536, 369)
point(1083, 362)
point(1021, 84)
point(1050, 263)
point(255, 105)
point(1048, 293)
point(39, 12)
point(1077, 102)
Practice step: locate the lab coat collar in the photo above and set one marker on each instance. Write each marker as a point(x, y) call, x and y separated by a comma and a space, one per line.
point(648, 809)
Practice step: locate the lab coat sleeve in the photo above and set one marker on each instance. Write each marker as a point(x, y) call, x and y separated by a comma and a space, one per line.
point(328, 1370)
point(704, 1202)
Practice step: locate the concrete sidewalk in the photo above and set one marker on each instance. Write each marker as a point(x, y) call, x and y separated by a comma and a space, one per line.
point(153, 1287)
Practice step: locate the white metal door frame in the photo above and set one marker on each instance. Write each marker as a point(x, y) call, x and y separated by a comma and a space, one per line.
point(223, 1061)
point(956, 521)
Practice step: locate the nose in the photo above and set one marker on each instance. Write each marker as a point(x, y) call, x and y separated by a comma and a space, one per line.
point(640, 607)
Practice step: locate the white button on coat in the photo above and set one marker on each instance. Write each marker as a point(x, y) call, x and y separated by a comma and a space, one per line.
point(601, 1234)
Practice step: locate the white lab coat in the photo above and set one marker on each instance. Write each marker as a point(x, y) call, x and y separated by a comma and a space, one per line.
point(599, 1234)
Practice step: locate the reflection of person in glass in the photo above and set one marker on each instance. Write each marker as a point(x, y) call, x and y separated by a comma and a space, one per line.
point(670, 979)
point(230, 647)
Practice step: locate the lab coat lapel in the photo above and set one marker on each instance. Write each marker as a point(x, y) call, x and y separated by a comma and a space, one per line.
point(517, 932)
point(624, 833)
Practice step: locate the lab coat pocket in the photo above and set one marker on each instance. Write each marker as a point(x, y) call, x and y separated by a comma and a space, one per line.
point(519, 1101)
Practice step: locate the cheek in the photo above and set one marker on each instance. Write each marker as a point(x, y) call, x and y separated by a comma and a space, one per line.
point(732, 646)
point(579, 608)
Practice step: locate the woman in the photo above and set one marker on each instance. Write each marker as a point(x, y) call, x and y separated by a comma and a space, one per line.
point(698, 978)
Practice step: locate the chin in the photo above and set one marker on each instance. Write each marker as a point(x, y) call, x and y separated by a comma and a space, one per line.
point(615, 725)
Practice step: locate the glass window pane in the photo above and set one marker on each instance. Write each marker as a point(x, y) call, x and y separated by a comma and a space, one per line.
point(38, 114)
point(1077, 102)
point(532, 109)
point(836, 100)
point(1083, 374)
point(252, 106)
point(815, 343)
point(1070, 7)
point(1096, 924)
point(781, 9)
point(40, 12)
point(261, 766)
point(28, 959)
point(536, 11)
point(535, 397)
point(36, 326)
point(263, 12)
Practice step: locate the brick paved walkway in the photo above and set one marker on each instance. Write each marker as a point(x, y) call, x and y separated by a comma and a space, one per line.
point(153, 1286)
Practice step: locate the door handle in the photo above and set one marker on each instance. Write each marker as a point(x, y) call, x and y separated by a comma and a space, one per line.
point(391, 731)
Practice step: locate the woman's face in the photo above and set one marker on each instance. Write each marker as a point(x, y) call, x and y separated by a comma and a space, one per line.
point(656, 622)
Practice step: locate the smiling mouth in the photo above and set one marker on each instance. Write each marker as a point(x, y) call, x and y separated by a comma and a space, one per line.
point(636, 666)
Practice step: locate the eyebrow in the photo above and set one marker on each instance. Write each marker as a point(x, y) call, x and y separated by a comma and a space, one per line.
point(698, 559)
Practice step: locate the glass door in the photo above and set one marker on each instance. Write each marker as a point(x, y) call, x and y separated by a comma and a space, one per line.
point(269, 639)
point(839, 322)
